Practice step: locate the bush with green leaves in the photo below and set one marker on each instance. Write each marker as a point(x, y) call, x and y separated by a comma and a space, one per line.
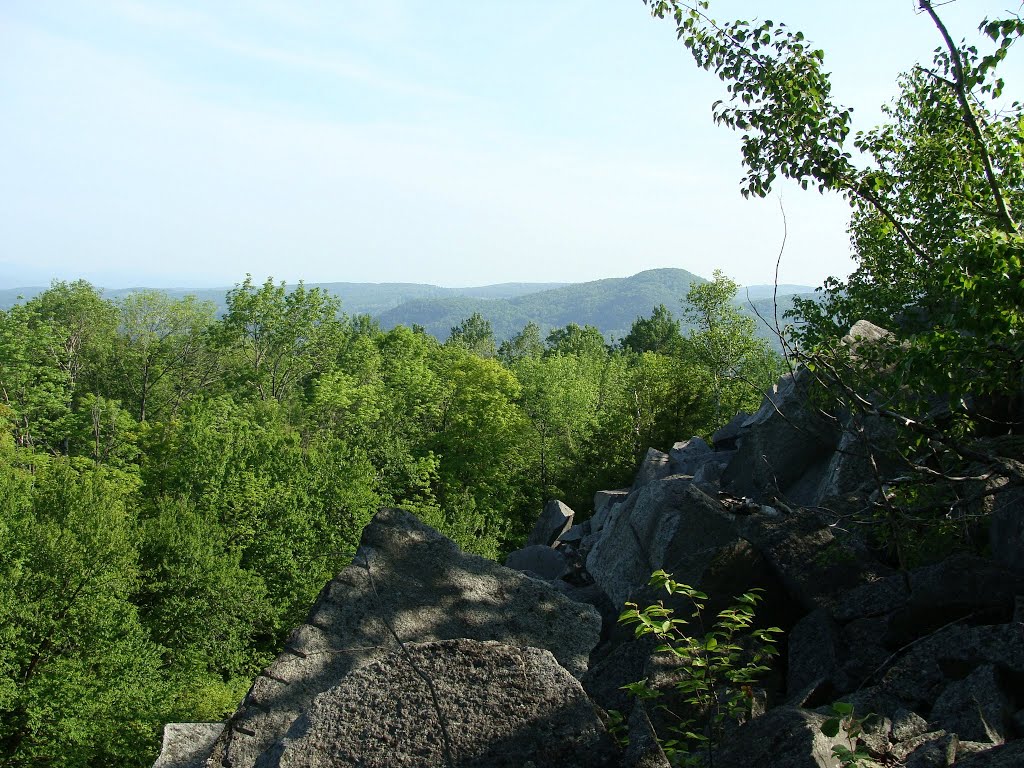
point(842, 718)
point(718, 665)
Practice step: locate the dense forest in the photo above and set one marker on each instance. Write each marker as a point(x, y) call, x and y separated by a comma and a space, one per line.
point(176, 488)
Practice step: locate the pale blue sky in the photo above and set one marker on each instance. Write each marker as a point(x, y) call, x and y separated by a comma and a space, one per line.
point(453, 142)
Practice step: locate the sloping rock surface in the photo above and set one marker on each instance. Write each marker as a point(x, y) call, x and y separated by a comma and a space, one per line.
point(456, 703)
point(407, 583)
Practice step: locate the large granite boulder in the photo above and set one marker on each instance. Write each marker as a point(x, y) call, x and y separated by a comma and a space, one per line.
point(817, 568)
point(667, 524)
point(655, 466)
point(555, 519)
point(1006, 531)
point(604, 501)
point(408, 583)
point(452, 703)
point(543, 561)
point(686, 457)
point(781, 442)
point(785, 737)
point(187, 745)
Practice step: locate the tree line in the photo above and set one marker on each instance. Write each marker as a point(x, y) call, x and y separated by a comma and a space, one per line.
point(175, 488)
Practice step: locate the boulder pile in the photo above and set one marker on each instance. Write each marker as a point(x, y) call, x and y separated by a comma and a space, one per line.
point(420, 655)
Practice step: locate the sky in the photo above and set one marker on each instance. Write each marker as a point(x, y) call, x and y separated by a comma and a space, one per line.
point(185, 143)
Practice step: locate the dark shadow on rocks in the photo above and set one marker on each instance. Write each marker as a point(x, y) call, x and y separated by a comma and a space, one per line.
point(407, 583)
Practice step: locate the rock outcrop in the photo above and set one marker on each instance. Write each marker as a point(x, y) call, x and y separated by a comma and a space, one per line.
point(418, 654)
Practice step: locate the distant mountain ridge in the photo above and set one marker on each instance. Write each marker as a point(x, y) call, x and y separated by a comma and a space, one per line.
point(611, 304)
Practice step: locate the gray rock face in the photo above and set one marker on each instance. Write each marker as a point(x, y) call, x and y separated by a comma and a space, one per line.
point(654, 466)
point(456, 703)
point(780, 442)
point(785, 737)
point(932, 750)
point(667, 524)
point(604, 501)
point(1007, 756)
point(918, 677)
point(186, 745)
point(555, 520)
point(686, 457)
point(709, 474)
point(643, 751)
point(813, 652)
point(726, 437)
point(817, 569)
point(411, 583)
point(863, 332)
point(975, 708)
point(1006, 533)
point(850, 468)
point(544, 561)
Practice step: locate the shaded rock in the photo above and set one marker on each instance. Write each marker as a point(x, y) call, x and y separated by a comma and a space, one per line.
point(816, 568)
point(666, 524)
point(593, 595)
point(554, 520)
point(935, 750)
point(655, 466)
point(803, 490)
point(726, 437)
point(709, 474)
point(875, 598)
point(1006, 528)
point(813, 653)
point(781, 441)
point(850, 468)
point(458, 702)
point(544, 561)
point(922, 673)
point(965, 748)
point(575, 534)
point(624, 664)
point(785, 737)
point(187, 745)
point(1007, 756)
point(864, 653)
point(974, 708)
point(687, 456)
point(907, 725)
point(643, 751)
point(408, 581)
point(958, 587)
point(603, 502)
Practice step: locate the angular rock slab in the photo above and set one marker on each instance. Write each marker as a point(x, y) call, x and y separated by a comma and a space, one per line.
point(655, 466)
point(1008, 756)
point(666, 524)
point(186, 745)
point(687, 456)
point(786, 737)
point(554, 520)
point(453, 703)
point(781, 441)
point(407, 582)
point(546, 562)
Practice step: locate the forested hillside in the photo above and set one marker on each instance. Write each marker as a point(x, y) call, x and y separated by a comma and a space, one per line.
point(176, 487)
point(609, 305)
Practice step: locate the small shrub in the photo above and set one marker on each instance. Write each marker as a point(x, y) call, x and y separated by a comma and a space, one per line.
point(719, 665)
